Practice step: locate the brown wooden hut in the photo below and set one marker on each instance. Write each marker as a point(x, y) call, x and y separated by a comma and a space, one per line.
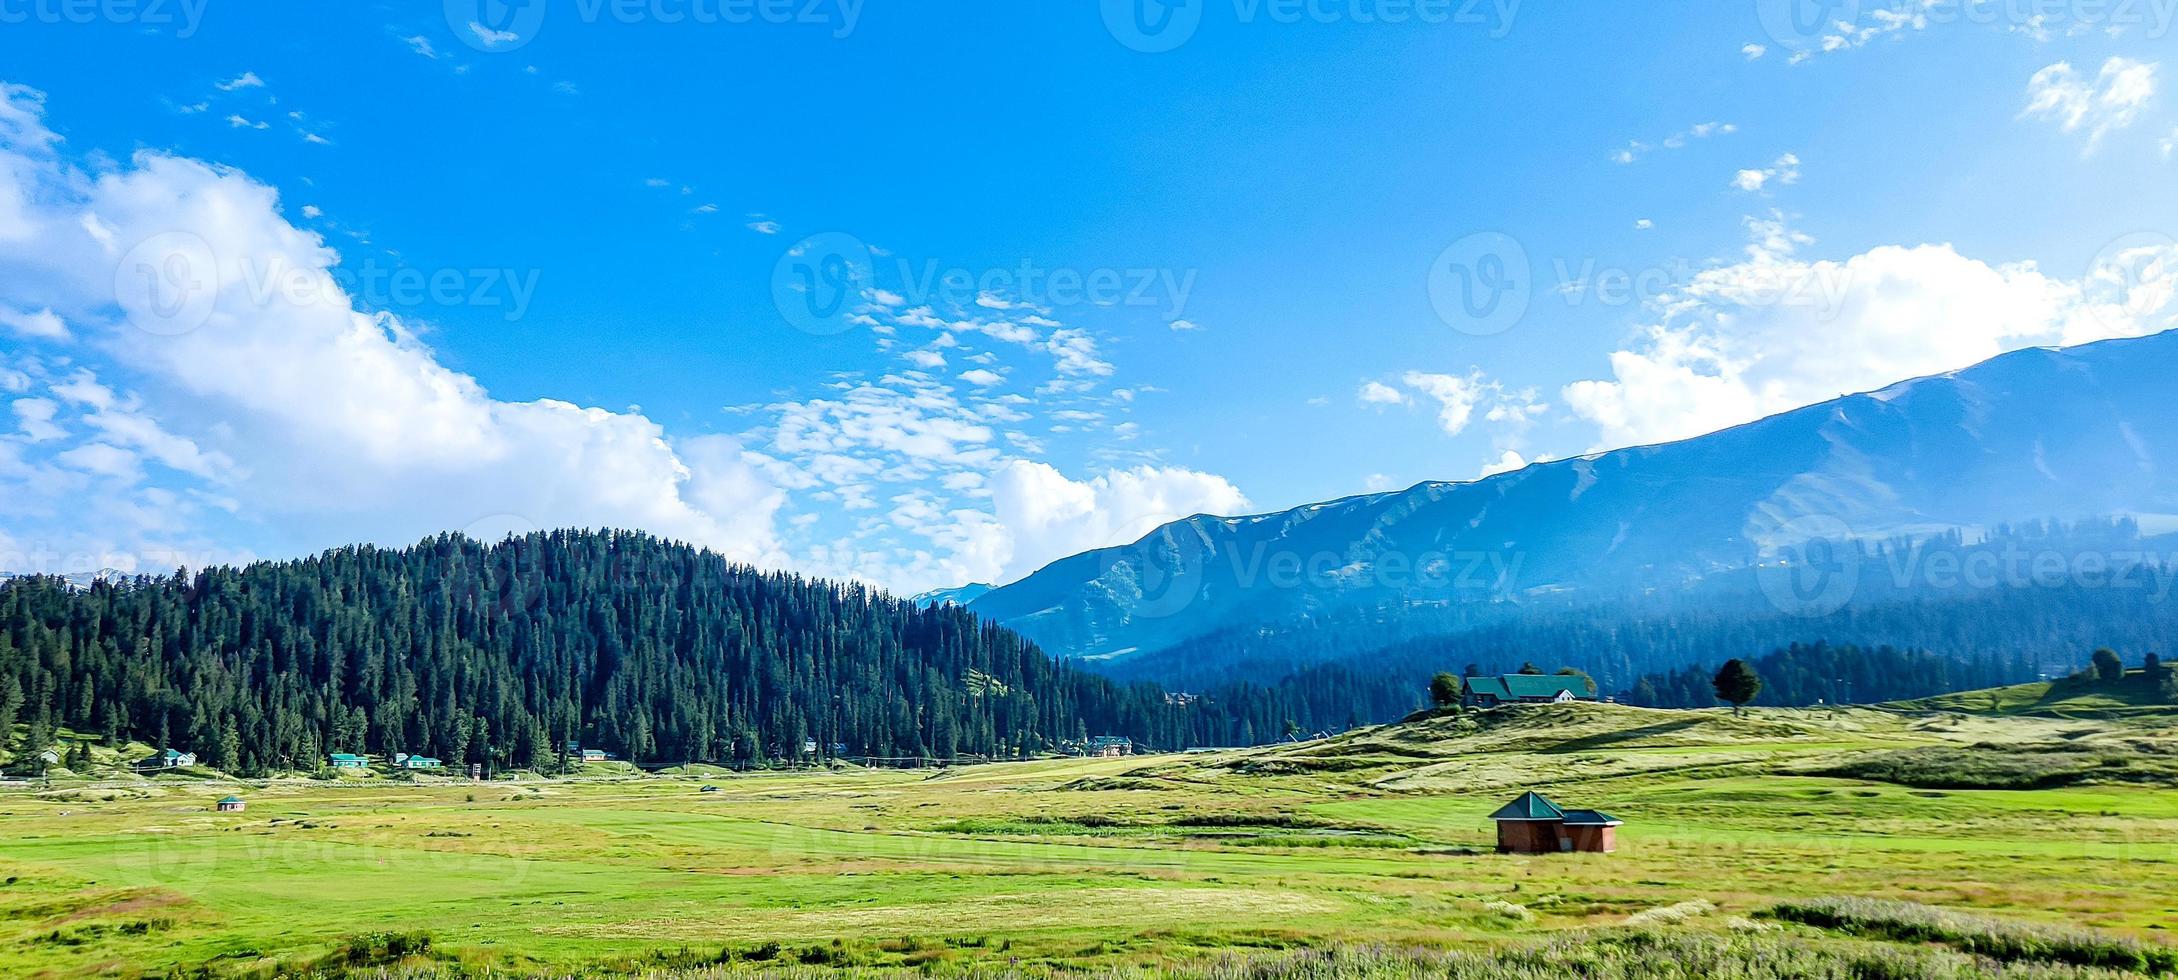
point(1532, 824)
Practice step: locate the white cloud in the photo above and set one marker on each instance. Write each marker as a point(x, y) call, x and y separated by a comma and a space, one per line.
point(39, 325)
point(492, 38)
point(245, 80)
point(1785, 171)
point(1379, 393)
point(1182, 326)
point(1753, 52)
point(2113, 100)
point(1043, 516)
point(34, 417)
point(1506, 462)
point(982, 377)
point(928, 360)
point(421, 45)
point(762, 225)
point(1456, 397)
point(2169, 145)
point(1076, 353)
point(1643, 224)
point(105, 460)
point(303, 409)
point(1676, 141)
point(1775, 332)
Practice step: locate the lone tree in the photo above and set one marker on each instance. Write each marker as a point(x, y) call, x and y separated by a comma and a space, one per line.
point(1444, 690)
point(2108, 665)
point(1737, 683)
point(2152, 670)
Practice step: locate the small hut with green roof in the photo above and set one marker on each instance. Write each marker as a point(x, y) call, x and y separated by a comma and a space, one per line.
point(232, 804)
point(1532, 824)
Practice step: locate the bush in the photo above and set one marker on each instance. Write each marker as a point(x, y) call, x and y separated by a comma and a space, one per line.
point(1997, 939)
point(1999, 767)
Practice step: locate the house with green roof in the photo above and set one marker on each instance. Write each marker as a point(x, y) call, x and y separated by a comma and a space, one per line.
point(345, 760)
point(1532, 824)
point(1489, 692)
point(232, 804)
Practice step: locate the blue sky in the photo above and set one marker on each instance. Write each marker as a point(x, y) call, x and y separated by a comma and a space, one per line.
point(545, 266)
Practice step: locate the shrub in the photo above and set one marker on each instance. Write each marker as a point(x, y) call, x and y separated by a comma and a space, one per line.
point(1997, 939)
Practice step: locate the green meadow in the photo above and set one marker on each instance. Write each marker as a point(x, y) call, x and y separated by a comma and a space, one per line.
point(1377, 839)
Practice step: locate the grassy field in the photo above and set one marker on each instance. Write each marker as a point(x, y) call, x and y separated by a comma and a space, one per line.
point(1378, 837)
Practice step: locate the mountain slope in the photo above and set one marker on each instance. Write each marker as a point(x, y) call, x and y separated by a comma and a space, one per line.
point(2074, 433)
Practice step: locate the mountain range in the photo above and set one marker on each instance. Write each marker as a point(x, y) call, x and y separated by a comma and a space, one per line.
point(1752, 512)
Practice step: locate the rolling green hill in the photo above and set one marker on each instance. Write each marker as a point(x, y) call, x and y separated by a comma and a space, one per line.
point(2069, 697)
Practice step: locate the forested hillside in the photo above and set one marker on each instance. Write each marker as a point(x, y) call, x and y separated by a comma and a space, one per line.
point(503, 654)
point(1816, 673)
point(1998, 635)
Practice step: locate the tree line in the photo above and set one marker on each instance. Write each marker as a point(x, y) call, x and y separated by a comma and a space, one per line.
point(509, 655)
point(1804, 674)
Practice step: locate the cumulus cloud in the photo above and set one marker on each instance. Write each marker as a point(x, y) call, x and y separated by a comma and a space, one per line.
point(2110, 101)
point(1379, 393)
point(37, 325)
point(1455, 396)
point(1042, 516)
point(306, 410)
point(1777, 331)
point(1785, 171)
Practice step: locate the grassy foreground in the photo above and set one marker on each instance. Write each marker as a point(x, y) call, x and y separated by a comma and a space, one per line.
point(1352, 856)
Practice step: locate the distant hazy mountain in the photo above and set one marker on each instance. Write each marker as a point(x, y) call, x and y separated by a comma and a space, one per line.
point(950, 597)
point(2077, 433)
point(75, 580)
